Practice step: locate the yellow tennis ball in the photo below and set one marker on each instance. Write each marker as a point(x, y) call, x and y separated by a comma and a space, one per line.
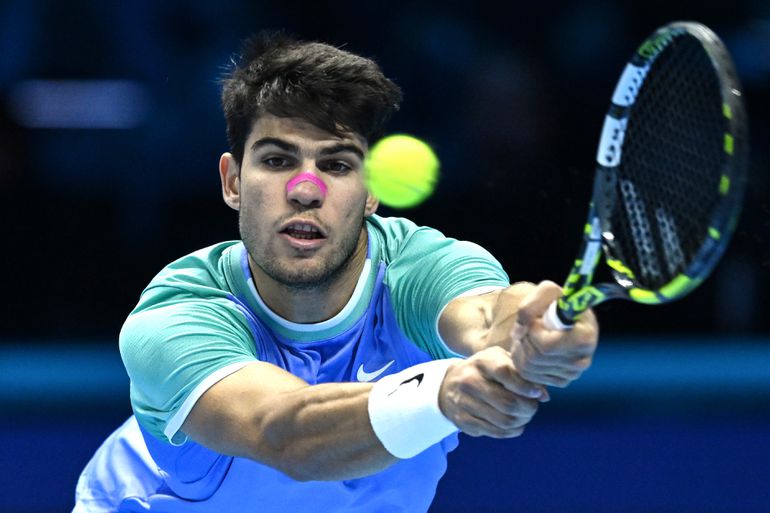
point(401, 171)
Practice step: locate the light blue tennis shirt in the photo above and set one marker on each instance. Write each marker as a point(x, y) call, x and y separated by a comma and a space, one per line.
point(201, 319)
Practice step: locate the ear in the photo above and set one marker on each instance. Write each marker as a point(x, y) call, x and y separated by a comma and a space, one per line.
point(229, 174)
point(371, 204)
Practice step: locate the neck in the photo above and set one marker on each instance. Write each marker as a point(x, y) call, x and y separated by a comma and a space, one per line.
point(316, 304)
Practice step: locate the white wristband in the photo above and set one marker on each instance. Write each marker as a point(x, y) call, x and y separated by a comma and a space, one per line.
point(404, 412)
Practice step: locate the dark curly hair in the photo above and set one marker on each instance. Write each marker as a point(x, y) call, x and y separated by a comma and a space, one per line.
point(330, 88)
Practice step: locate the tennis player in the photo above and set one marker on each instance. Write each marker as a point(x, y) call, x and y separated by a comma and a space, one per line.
point(326, 361)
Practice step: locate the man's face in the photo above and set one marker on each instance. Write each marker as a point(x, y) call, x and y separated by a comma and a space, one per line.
point(305, 234)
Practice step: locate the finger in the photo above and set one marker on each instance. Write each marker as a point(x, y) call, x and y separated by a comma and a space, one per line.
point(502, 371)
point(534, 360)
point(533, 368)
point(500, 420)
point(527, 357)
point(556, 379)
point(502, 400)
point(536, 374)
point(507, 304)
point(470, 404)
point(537, 302)
point(586, 329)
point(476, 426)
point(510, 433)
point(554, 344)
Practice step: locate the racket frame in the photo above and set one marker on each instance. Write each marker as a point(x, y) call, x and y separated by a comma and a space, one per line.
point(579, 293)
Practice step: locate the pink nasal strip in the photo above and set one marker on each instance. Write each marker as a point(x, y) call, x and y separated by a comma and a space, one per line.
point(307, 177)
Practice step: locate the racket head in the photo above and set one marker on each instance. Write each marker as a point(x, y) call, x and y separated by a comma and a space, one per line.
point(671, 165)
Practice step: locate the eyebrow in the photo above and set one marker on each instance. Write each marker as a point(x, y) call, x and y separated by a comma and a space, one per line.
point(273, 141)
point(341, 148)
point(293, 148)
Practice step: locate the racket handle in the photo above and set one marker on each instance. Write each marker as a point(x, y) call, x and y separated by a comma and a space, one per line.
point(555, 320)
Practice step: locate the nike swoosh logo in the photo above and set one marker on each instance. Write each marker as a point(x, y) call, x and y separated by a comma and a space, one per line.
point(417, 379)
point(362, 375)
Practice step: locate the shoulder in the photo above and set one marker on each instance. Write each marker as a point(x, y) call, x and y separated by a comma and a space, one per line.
point(203, 266)
point(190, 295)
point(201, 274)
point(391, 236)
point(399, 239)
point(390, 229)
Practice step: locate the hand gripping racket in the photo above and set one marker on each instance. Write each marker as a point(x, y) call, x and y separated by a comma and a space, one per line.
point(669, 182)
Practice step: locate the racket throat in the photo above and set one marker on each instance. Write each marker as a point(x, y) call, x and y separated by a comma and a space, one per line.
point(583, 269)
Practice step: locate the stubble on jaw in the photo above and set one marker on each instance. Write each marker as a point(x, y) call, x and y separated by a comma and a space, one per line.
point(298, 278)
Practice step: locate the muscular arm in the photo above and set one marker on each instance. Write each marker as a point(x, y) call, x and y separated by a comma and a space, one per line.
point(262, 412)
point(324, 432)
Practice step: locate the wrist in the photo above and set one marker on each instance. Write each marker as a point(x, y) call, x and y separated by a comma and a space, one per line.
point(404, 409)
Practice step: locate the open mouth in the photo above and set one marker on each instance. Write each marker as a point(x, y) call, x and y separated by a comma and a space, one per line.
point(302, 231)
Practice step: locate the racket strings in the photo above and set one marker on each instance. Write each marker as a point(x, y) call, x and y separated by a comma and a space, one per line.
point(672, 162)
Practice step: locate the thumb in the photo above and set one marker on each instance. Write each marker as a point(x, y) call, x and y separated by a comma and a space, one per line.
point(534, 305)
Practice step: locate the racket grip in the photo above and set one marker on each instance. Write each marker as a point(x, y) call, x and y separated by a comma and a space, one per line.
point(555, 320)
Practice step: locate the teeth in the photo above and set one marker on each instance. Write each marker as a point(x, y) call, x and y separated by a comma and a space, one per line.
point(303, 228)
point(303, 231)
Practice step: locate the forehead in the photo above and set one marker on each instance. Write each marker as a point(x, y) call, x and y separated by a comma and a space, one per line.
point(299, 132)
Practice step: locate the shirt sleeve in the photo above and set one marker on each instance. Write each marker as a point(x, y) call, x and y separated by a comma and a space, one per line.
point(174, 352)
point(428, 272)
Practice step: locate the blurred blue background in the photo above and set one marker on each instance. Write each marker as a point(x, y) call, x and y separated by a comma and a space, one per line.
point(110, 131)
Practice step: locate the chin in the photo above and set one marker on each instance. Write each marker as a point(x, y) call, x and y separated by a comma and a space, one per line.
point(307, 276)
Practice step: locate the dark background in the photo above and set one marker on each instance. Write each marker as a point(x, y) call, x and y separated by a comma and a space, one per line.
point(512, 98)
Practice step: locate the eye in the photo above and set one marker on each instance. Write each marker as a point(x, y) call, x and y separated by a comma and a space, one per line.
point(277, 162)
point(336, 166)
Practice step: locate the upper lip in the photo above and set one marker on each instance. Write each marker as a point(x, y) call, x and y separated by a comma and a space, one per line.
point(303, 222)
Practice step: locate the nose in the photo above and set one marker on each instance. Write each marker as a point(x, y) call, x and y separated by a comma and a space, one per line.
point(307, 189)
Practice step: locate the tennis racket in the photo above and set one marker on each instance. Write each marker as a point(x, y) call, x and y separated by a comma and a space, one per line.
point(669, 182)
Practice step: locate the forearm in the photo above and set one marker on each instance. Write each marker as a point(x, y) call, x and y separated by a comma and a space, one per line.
point(348, 427)
point(325, 432)
point(322, 432)
point(263, 413)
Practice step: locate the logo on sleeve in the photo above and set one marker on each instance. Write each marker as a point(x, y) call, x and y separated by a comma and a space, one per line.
point(362, 375)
